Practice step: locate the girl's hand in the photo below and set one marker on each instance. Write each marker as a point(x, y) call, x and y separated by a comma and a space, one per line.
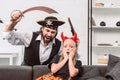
point(65, 55)
point(72, 54)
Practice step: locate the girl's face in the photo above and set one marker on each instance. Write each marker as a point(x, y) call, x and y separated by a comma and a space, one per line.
point(69, 46)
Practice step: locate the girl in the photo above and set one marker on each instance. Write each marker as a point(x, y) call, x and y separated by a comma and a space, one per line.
point(65, 67)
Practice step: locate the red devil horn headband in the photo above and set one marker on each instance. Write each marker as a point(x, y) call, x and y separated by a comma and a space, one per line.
point(74, 37)
point(63, 37)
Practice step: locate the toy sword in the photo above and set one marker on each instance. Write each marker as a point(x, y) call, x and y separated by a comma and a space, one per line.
point(71, 26)
point(40, 8)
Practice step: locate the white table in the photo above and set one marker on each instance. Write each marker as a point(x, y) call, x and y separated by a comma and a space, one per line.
point(10, 56)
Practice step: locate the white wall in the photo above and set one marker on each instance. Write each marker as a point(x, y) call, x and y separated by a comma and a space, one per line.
point(77, 10)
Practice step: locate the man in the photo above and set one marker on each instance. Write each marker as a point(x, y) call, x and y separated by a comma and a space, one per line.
point(41, 46)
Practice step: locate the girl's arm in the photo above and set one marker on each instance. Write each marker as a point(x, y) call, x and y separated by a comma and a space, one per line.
point(57, 66)
point(72, 70)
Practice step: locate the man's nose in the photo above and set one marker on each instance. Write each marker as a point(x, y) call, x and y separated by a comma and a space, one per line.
point(49, 33)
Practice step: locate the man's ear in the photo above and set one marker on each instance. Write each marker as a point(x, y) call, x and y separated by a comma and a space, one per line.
point(42, 28)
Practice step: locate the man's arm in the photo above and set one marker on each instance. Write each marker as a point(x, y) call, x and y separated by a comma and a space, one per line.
point(16, 16)
point(16, 37)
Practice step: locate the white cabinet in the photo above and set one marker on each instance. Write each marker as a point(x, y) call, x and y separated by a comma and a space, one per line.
point(10, 57)
point(105, 39)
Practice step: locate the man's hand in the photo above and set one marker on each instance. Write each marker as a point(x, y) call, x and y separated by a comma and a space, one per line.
point(16, 16)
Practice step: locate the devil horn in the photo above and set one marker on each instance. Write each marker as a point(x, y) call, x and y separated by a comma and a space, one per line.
point(63, 37)
point(74, 37)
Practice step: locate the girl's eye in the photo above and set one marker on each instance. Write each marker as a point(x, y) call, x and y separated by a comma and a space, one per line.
point(65, 46)
point(71, 46)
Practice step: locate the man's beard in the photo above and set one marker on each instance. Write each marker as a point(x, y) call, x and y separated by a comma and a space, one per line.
point(47, 39)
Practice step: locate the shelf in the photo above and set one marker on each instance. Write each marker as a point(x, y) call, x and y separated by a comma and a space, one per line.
point(115, 8)
point(106, 10)
point(103, 28)
point(100, 50)
point(104, 37)
point(106, 46)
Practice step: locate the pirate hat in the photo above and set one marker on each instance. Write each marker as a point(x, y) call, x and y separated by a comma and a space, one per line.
point(51, 22)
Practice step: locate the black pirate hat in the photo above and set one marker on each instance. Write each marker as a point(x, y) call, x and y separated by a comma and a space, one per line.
point(51, 22)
